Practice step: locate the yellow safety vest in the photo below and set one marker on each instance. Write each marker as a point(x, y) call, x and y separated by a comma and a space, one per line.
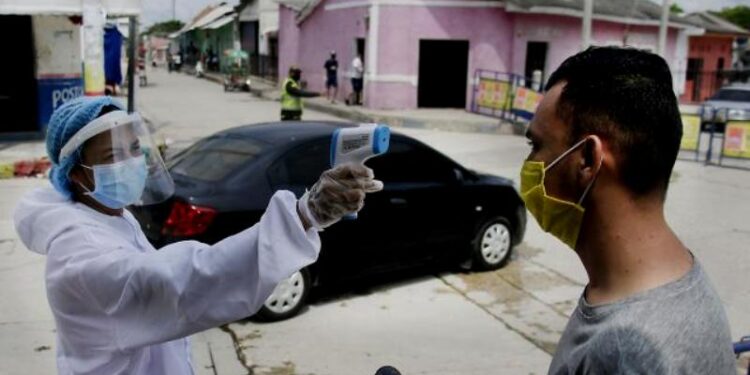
point(288, 101)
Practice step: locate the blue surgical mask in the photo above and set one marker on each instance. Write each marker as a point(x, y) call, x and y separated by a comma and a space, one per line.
point(119, 184)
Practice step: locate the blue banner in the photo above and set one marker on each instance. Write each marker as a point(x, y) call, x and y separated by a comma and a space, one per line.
point(53, 92)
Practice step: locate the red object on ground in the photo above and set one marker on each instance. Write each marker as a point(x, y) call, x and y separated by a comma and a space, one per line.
point(34, 167)
point(41, 166)
point(23, 168)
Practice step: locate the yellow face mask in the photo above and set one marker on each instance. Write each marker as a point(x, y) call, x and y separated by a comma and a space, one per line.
point(558, 217)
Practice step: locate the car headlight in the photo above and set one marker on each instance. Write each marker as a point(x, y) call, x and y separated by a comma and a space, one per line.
point(247, 82)
point(738, 114)
point(721, 115)
point(707, 113)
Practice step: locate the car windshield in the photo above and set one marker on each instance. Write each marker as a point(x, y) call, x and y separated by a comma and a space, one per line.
point(214, 158)
point(733, 95)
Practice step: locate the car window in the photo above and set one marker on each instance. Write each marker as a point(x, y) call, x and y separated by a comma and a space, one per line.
point(411, 162)
point(302, 166)
point(215, 158)
point(733, 95)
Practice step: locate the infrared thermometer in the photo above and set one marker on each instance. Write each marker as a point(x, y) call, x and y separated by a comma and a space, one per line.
point(359, 144)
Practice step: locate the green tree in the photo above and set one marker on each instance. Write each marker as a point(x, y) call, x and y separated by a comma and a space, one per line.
point(164, 28)
point(676, 9)
point(738, 15)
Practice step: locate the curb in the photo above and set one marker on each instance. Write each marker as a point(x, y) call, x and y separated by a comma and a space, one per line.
point(269, 92)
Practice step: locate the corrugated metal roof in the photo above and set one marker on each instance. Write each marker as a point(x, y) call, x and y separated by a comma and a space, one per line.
point(626, 11)
point(220, 22)
point(206, 16)
point(643, 10)
point(715, 24)
point(211, 16)
point(297, 5)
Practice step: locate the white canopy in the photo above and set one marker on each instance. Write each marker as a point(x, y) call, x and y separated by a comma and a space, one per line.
point(68, 7)
point(220, 22)
point(211, 16)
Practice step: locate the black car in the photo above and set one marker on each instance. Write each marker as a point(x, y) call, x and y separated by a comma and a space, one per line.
point(431, 209)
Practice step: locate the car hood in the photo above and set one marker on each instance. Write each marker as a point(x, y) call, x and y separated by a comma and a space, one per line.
point(494, 180)
point(727, 104)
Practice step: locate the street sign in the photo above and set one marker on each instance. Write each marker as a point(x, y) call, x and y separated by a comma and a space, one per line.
point(691, 130)
point(737, 140)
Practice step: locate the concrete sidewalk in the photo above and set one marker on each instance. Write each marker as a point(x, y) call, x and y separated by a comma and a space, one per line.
point(437, 119)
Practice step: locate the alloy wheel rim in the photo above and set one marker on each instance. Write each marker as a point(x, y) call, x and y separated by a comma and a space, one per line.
point(495, 243)
point(287, 295)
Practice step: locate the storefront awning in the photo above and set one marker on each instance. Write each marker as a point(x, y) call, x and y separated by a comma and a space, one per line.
point(212, 16)
point(220, 22)
point(68, 7)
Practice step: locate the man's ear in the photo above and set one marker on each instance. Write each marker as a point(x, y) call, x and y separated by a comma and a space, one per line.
point(592, 158)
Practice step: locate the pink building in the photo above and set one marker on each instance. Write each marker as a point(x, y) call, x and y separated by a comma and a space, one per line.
point(710, 56)
point(424, 53)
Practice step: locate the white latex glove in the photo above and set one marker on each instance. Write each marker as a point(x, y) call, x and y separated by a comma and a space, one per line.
point(339, 192)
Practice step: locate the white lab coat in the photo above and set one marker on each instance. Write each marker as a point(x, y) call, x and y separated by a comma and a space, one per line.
point(121, 307)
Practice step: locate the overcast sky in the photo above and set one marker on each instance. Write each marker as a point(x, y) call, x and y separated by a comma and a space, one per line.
point(161, 10)
point(695, 5)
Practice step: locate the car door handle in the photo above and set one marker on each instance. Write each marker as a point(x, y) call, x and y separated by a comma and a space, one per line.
point(398, 201)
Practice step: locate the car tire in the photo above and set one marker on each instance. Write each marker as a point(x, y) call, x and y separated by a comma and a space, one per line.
point(287, 299)
point(492, 244)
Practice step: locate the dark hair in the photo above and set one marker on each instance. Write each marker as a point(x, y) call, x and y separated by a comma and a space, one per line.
point(625, 96)
point(107, 109)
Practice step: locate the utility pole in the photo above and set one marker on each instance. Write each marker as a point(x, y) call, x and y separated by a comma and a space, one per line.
point(662, 46)
point(174, 9)
point(588, 12)
point(132, 60)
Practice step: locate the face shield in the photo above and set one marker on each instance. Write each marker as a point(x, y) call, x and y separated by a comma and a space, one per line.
point(116, 144)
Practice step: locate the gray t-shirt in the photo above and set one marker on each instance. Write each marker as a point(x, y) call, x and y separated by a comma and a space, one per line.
point(677, 328)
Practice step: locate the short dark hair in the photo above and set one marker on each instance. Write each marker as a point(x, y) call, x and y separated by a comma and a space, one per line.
point(107, 109)
point(625, 96)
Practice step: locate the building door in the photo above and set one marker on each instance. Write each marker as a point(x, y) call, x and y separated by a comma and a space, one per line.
point(536, 59)
point(249, 40)
point(695, 75)
point(18, 99)
point(360, 48)
point(443, 72)
point(249, 37)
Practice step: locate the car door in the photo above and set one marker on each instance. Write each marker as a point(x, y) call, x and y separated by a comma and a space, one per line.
point(421, 201)
point(350, 247)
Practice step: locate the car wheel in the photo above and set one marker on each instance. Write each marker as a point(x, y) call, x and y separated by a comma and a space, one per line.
point(492, 245)
point(287, 298)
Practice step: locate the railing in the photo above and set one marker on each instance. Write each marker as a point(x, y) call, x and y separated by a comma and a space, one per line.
point(505, 95)
point(701, 85)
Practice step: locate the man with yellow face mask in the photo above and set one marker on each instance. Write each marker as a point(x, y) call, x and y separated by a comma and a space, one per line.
point(604, 141)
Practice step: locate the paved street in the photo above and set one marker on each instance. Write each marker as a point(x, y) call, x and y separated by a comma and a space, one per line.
point(503, 322)
point(184, 108)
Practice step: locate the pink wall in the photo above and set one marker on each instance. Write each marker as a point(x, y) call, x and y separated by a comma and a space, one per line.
point(564, 37)
point(288, 40)
point(708, 48)
point(497, 41)
point(488, 31)
point(322, 32)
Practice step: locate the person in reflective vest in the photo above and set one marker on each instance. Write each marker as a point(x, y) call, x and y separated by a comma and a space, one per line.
point(292, 94)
